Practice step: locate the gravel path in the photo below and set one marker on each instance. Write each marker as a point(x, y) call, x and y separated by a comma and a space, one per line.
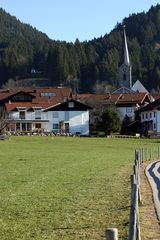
point(153, 175)
point(149, 223)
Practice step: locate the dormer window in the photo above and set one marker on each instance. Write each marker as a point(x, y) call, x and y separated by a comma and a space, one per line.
point(22, 113)
point(71, 104)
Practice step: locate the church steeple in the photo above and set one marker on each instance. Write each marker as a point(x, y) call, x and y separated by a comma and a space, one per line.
point(125, 76)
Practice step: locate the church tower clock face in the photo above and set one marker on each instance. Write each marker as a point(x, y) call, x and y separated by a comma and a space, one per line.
point(124, 70)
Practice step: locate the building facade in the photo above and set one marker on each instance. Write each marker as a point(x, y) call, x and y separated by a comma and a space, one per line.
point(45, 110)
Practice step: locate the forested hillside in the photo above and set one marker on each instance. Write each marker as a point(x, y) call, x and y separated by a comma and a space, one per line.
point(84, 65)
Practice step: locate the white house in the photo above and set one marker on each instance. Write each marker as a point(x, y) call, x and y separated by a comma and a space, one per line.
point(128, 103)
point(69, 116)
point(150, 118)
point(124, 103)
point(45, 110)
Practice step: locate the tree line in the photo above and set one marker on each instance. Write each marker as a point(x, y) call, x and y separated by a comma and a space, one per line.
point(85, 66)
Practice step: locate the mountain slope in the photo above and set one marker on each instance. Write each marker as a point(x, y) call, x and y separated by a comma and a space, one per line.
point(83, 65)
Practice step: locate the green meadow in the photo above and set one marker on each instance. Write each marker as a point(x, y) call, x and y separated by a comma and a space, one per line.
point(65, 188)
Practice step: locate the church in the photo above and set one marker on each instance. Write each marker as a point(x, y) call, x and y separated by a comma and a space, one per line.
point(128, 97)
point(125, 71)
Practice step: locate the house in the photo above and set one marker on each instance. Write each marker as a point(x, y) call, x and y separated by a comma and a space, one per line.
point(128, 103)
point(69, 116)
point(45, 110)
point(150, 118)
point(124, 103)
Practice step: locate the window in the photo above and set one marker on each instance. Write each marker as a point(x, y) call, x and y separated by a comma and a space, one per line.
point(124, 77)
point(55, 114)
point(23, 127)
point(29, 127)
point(48, 94)
point(154, 114)
point(142, 116)
point(146, 115)
point(38, 125)
point(150, 115)
point(67, 127)
point(71, 104)
point(55, 126)
point(22, 114)
point(66, 116)
point(21, 98)
point(129, 110)
point(154, 125)
point(37, 114)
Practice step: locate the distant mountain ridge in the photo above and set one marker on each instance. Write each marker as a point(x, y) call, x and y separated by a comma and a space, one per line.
point(86, 66)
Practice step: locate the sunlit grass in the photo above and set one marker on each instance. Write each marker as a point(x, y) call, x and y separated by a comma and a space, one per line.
point(65, 188)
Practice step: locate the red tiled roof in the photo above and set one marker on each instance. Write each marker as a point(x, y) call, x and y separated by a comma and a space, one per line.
point(131, 98)
point(28, 105)
point(38, 100)
point(114, 98)
point(97, 98)
point(62, 92)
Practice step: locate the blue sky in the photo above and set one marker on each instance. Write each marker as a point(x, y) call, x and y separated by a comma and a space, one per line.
point(71, 19)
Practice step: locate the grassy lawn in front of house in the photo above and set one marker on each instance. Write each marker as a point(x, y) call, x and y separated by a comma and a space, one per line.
point(65, 188)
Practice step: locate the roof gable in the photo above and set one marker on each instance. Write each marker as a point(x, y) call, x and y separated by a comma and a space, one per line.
point(21, 96)
point(71, 105)
point(151, 106)
point(123, 90)
point(133, 99)
point(138, 87)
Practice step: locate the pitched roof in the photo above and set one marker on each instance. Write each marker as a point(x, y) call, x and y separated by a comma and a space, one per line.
point(138, 87)
point(132, 98)
point(97, 98)
point(28, 105)
point(78, 106)
point(123, 90)
point(63, 92)
point(43, 97)
point(118, 99)
point(151, 106)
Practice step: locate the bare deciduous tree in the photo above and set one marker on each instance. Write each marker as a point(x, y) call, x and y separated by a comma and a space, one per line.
point(4, 122)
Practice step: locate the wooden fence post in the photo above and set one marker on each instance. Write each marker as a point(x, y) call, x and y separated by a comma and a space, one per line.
point(112, 234)
point(142, 155)
point(150, 154)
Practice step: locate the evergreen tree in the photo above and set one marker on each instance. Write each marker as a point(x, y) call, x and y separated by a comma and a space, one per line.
point(110, 121)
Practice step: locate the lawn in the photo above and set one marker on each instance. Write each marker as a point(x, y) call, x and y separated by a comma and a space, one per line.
point(65, 188)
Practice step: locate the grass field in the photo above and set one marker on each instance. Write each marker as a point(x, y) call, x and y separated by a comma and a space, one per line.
point(65, 188)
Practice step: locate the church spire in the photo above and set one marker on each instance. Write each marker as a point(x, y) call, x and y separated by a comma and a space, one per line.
point(126, 54)
point(124, 64)
point(124, 59)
